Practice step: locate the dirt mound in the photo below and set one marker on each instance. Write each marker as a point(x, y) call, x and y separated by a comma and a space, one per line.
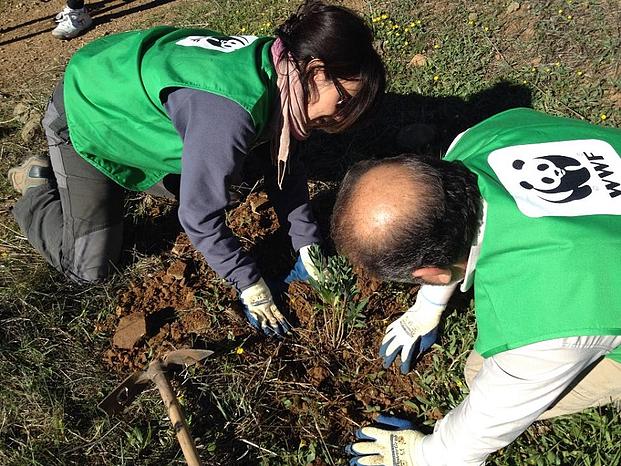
point(319, 375)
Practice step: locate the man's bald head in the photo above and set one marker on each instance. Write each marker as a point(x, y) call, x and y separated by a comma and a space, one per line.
point(381, 200)
point(390, 216)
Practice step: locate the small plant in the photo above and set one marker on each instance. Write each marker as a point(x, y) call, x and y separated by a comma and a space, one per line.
point(341, 306)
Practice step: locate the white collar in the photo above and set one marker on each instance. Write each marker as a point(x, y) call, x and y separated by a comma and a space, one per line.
point(475, 250)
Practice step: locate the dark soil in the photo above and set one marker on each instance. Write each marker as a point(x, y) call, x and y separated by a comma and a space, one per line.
point(343, 386)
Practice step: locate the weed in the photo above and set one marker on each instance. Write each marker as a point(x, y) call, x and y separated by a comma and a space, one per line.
point(340, 303)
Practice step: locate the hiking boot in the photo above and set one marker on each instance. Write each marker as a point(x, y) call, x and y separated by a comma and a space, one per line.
point(71, 23)
point(35, 171)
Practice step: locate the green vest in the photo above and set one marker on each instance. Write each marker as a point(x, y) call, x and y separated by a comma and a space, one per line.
point(113, 86)
point(551, 251)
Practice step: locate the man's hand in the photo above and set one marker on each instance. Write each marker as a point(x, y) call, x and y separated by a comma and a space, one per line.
point(392, 442)
point(261, 311)
point(417, 329)
point(305, 268)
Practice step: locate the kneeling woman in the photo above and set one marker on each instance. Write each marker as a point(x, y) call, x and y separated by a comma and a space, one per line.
point(138, 106)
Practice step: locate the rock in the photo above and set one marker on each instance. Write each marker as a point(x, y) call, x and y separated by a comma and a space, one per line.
point(130, 330)
point(32, 127)
point(177, 270)
point(418, 60)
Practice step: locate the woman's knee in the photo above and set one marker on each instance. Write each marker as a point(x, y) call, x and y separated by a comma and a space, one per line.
point(95, 255)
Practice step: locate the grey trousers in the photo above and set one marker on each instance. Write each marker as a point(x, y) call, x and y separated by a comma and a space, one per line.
point(76, 220)
point(600, 384)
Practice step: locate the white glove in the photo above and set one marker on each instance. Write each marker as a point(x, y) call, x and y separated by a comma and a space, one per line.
point(308, 263)
point(261, 311)
point(416, 330)
point(394, 444)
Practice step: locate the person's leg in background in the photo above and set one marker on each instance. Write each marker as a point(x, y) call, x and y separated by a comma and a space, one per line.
point(74, 220)
point(72, 21)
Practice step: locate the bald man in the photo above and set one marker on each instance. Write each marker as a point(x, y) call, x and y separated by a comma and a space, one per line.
point(533, 204)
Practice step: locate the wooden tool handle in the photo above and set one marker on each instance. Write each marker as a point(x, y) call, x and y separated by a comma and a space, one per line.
point(176, 415)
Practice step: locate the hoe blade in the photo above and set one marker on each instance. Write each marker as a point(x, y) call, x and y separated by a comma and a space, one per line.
point(122, 396)
point(185, 357)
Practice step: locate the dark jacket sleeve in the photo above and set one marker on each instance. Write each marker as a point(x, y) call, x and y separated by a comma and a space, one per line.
point(292, 203)
point(217, 134)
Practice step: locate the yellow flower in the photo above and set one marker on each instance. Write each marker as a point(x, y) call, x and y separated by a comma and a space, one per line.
point(560, 11)
point(486, 29)
point(243, 29)
point(471, 23)
point(533, 69)
point(569, 17)
point(603, 116)
point(239, 350)
point(579, 72)
point(436, 77)
point(384, 16)
point(558, 63)
point(437, 46)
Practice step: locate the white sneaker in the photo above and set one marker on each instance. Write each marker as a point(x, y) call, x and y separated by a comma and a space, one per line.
point(71, 23)
point(59, 17)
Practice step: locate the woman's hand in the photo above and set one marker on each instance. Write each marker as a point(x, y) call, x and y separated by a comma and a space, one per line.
point(261, 311)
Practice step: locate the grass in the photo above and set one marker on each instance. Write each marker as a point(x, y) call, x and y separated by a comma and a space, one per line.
point(450, 64)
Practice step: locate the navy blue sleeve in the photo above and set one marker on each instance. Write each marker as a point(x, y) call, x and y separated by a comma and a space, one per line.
point(292, 203)
point(217, 134)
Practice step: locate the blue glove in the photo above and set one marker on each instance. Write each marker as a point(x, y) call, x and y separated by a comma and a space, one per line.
point(304, 268)
point(298, 273)
point(261, 311)
point(410, 350)
point(390, 441)
point(417, 329)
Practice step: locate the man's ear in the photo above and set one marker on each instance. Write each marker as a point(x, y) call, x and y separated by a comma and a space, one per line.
point(433, 275)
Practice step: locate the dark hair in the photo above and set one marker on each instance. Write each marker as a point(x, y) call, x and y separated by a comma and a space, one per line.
point(438, 233)
point(343, 41)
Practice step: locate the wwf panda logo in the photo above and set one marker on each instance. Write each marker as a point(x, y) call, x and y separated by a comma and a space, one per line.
point(562, 178)
point(224, 44)
point(556, 175)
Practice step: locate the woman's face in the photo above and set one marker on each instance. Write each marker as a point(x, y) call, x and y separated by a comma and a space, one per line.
point(329, 96)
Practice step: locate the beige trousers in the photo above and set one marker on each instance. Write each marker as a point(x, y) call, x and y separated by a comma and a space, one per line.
point(598, 385)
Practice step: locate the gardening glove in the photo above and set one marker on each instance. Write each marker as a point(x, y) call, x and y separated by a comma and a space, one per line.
point(261, 311)
point(390, 442)
point(417, 329)
point(304, 268)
